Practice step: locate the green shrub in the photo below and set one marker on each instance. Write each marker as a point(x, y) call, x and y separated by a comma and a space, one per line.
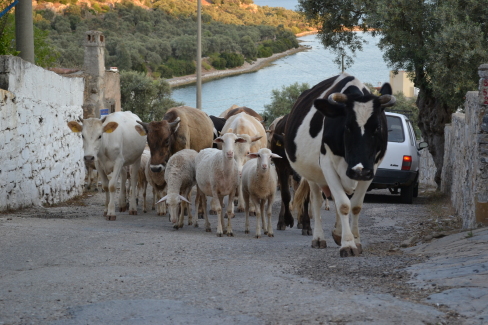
point(181, 67)
point(264, 51)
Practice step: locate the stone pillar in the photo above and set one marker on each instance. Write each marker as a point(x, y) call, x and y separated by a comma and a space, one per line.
point(94, 68)
point(481, 184)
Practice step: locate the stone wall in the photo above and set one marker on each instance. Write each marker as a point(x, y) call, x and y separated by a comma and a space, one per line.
point(465, 171)
point(427, 169)
point(40, 158)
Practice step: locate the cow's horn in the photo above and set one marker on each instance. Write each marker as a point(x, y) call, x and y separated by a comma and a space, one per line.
point(387, 100)
point(337, 98)
point(144, 125)
point(175, 121)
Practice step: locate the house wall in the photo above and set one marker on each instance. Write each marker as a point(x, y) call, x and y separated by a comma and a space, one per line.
point(41, 160)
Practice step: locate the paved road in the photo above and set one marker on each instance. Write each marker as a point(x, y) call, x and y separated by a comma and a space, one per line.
point(67, 265)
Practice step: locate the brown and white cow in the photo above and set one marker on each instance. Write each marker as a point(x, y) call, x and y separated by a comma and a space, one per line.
point(335, 137)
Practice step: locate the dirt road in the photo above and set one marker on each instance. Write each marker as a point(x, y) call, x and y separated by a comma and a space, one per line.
point(68, 265)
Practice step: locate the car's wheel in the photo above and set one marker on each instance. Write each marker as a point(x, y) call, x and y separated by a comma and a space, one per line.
point(406, 194)
point(416, 190)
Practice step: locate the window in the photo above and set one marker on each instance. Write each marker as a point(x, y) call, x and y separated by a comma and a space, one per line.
point(395, 129)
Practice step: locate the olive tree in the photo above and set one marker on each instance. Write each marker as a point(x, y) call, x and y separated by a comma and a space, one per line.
point(149, 99)
point(440, 42)
point(283, 100)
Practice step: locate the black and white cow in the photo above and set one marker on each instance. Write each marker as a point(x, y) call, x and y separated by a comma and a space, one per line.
point(336, 137)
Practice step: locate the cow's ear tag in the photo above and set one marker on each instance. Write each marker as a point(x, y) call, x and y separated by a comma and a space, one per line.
point(278, 143)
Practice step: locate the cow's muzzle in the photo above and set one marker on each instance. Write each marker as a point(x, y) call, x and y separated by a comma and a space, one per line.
point(157, 168)
point(360, 174)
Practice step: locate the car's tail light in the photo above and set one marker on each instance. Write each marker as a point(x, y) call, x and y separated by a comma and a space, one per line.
point(407, 162)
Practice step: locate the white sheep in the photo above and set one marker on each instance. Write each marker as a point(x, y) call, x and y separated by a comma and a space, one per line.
point(218, 176)
point(259, 181)
point(180, 176)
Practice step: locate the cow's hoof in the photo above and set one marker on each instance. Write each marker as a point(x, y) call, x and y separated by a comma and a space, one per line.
point(212, 212)
point(299, 226)
point(270, 234)
point(290, 222)
point(348, 251)
point(265, 232)
point(230, 234)
point(337, 238)
point(280, 226)
point(307, 232)
point(257, 236)
point(133, 213)
point(219, 234)
point(317, 243)
point(110, 218)
point(360, 248)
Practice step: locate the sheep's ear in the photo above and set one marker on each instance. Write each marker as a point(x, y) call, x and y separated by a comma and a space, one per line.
point(256, 138)
point(240, 140)
point(182, 198)
point(75, 126)
point(253, 155)
point(218, 140)
point(273, 155)
point(162, 199)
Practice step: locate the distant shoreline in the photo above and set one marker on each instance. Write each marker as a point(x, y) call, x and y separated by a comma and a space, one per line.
point(246, 68)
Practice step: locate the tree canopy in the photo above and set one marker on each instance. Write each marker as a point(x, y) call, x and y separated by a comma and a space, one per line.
point(440, 42)
point(283, 100)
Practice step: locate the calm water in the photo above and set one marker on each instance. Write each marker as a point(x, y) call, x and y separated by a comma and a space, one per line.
point(254, 90)
point(288, 4)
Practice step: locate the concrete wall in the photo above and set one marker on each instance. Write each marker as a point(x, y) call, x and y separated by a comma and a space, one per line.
point(41, 160)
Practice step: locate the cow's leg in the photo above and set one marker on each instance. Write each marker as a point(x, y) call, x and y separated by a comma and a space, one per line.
point(230, 213)
point(105, 183)
point(268, 212)
point(112, 188)
point(356, 205)
point(305, 218)
point(123, 187)
point(285, 218)
point(318, 240)
point(144, 200)
point(133, 185)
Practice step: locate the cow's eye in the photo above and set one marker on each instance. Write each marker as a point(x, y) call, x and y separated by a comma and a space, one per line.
point(100, 136)
point(166, 143)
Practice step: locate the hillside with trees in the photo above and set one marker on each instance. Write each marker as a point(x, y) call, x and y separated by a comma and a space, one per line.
point(159, 37)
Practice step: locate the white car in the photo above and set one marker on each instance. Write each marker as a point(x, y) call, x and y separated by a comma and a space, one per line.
point(399, 169)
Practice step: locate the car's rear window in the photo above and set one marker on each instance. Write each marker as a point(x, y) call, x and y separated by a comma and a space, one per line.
point(395, 129)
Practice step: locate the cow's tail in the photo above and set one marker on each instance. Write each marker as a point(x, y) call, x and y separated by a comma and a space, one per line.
point(301, 195)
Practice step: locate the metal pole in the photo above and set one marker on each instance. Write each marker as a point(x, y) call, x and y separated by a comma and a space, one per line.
point(24, 30)
point(342, 63)
point(199, 55)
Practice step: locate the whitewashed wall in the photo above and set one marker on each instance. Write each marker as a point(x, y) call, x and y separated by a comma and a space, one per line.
point(40, 158)
point(427, 169)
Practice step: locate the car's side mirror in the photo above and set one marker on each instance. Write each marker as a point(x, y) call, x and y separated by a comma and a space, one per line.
point(422, 145)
